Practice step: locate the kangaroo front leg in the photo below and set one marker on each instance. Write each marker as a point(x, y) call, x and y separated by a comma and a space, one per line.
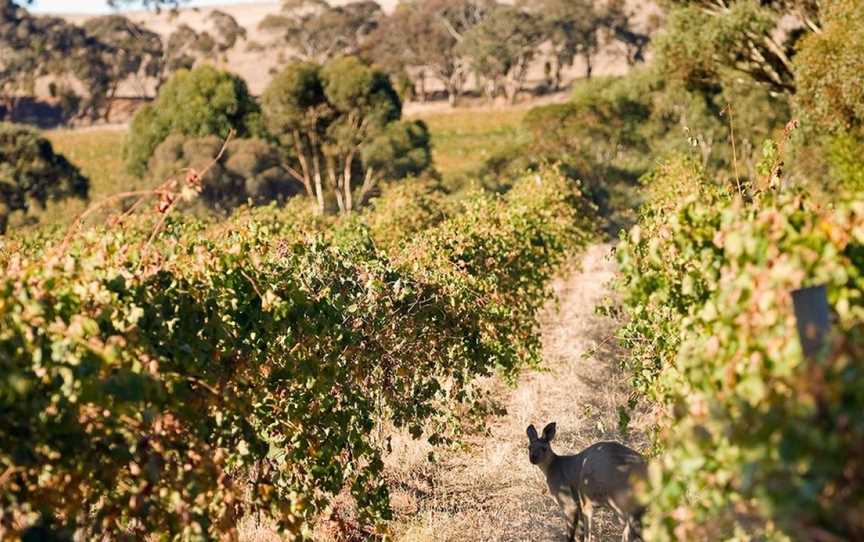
point(587, 521)
point(632, 530)
point(574, 516)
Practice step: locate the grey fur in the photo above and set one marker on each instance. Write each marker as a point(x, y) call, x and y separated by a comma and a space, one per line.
point(600, 475)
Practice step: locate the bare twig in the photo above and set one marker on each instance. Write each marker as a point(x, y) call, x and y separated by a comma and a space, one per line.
point(76, 224)
point(192, 177)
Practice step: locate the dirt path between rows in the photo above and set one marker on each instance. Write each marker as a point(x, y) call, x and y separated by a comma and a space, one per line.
point(488, 491)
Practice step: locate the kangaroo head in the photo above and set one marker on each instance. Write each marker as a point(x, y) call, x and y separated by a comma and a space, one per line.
point(539, 450)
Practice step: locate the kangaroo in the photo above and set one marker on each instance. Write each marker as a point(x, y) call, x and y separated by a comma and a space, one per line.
point(600, 475)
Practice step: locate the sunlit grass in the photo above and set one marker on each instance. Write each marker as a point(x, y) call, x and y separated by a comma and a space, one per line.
point(99, 156)
point(462, 141)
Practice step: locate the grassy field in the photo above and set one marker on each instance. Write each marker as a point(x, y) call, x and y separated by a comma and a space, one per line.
point(99, 155)
point(461, 143)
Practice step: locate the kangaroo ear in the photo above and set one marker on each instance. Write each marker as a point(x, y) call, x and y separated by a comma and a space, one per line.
point(549, 431)
point(532, 433)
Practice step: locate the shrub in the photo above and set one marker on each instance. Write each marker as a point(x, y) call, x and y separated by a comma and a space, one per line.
point(198, 103)
point(828, 69)
point(830, 97)
point(615, 129)
point(405, 209)
point(402, 150)
point(249, 169)
point(602, 122)
point(844, 154)
point(173, 389)
point(756, 441)
point(30, 171)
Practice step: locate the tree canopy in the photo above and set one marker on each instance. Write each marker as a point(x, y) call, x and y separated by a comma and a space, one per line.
point(134, 50)
point(501, 48)
point(706, 41)
point(33, 47)
point(186, 46)
point(201, 102)
point(338, 124)
point(436, 28)
point(315, 31)
point(31, 172)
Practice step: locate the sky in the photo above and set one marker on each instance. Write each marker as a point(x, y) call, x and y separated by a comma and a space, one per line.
point(101, 6)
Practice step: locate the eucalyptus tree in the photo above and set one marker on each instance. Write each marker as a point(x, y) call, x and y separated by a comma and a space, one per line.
point(226, 31)
point(186, 46)
point(182, 49)
point(36, 47)
point(134, 50)
point(706, 41)
point(502, 47)
point(619, 21)
point(315, 31)
point(31, 172)
point(200, 102)
point(338, 124)
point(436, 28)
point(573, 28)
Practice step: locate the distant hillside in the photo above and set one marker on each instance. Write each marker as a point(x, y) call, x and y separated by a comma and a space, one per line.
point(256, 67)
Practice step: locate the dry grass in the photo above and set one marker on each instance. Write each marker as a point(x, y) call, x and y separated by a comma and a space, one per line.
point(488, 490)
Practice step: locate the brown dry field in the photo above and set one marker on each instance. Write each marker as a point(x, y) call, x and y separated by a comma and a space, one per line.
point(486, 490)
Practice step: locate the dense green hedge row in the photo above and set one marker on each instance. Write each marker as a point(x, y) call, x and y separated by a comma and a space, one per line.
point(755, 441)
point(173, 388)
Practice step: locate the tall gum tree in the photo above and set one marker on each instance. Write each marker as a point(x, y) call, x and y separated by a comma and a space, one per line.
point(134, 50)
point(315, 31)
point(436, 27)
point(502, 47)
point(337, 124)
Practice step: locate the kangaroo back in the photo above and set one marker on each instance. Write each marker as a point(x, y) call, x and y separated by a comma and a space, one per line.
point(608, 470)
point(606, 479)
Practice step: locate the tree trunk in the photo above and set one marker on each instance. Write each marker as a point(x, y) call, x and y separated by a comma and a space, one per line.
point(451, 94)
point(111, 95)
point(453, 84)
point(319, 185)
point(304, 165)
point(368, 184)
point(337, 186)
point(346, 181)
point(589, 67)
point(556, 86)
point(422, 87)
point(511, 91)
